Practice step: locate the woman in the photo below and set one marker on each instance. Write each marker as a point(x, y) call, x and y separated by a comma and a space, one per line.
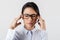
point(30, 15)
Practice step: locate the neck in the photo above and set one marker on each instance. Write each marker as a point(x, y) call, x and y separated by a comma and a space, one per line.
point(29, 28)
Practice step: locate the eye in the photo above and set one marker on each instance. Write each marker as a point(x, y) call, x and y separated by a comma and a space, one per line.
point(26, 15)
point(33, 15)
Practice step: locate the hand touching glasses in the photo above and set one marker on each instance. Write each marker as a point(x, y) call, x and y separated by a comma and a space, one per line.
point(41, 23)
point(15, 22)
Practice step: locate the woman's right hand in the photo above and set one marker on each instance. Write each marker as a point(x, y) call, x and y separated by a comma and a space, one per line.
point(15, 22)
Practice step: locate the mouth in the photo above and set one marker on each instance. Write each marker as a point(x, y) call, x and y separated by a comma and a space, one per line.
point(30, 23)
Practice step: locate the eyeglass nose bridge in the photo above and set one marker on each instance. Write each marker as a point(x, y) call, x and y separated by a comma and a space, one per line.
point(31, 16)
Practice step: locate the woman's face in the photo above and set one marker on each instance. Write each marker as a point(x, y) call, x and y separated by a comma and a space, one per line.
point(29, 17)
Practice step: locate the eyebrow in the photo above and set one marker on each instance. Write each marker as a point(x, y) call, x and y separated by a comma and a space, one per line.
point(30, 14)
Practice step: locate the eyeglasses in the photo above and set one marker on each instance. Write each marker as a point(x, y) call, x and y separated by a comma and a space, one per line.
point(33, 16)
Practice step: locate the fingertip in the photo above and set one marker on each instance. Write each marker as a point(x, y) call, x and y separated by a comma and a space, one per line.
point(19, 23)
point(38, 22)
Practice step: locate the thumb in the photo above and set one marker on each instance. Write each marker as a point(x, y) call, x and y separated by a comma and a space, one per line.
point(39, 23)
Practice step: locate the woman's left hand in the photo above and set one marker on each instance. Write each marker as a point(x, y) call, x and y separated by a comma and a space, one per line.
point(41, 23)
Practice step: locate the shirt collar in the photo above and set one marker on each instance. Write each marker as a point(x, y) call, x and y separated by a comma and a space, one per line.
point(25, 30)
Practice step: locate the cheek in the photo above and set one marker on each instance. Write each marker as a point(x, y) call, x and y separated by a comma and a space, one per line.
point(34, 21)
point(25, 21)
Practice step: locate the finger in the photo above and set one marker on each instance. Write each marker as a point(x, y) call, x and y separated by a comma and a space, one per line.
point(18, 23)
point(41, 19)
point(17, 18)
point(39, 23)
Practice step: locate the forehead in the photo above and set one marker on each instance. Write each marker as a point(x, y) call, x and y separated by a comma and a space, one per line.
point(29, 10)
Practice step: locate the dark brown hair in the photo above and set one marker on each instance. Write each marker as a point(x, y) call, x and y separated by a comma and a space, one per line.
point(32, 5)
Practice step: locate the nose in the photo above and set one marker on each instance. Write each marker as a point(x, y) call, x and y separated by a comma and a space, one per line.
point(30, 19)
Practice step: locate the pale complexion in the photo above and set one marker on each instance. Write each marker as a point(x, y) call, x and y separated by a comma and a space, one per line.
point(30, 22)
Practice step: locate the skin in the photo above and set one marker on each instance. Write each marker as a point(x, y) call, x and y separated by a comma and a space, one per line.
point(28, 23)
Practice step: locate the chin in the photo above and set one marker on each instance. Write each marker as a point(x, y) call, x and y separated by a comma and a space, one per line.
point(30, 25)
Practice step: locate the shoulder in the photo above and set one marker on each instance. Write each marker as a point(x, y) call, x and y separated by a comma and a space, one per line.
point(18, 32)
point(42, 32)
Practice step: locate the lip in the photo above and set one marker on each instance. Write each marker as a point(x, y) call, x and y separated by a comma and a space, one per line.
point(30, 23)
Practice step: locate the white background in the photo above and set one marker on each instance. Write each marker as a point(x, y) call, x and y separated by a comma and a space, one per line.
point(49, 9)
